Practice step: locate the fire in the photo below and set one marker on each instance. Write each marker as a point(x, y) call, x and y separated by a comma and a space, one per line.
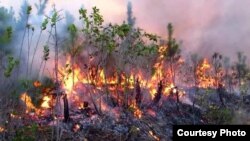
point(28, 102)
point(154, 136)
point(203, 71)
point(136, 110)
point(116, 83)
point(158, 74)
point(1, 129)
point(46, 101)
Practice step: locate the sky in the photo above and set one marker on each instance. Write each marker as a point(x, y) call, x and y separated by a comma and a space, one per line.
point(203, 26)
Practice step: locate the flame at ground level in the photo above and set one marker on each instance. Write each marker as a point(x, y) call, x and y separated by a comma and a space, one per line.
point(28, 102)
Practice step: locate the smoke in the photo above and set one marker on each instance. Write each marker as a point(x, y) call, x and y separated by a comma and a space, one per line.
point(203, 26)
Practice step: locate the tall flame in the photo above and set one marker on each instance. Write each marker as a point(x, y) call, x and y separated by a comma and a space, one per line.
point(203, 72)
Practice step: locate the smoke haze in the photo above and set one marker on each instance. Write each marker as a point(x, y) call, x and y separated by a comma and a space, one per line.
point(203, 26)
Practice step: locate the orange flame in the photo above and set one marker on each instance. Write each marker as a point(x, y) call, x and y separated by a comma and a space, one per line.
point(28, 102)
point(154, 136)
point(137, 112)
point(203, 72)
point(1, 129)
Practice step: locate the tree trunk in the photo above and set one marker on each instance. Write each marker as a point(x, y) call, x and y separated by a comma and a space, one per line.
point(220, 91)
point(158, 94)
point(138, 97)
point(66, 108)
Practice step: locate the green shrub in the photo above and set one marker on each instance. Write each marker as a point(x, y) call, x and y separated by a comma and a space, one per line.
point(218, 115)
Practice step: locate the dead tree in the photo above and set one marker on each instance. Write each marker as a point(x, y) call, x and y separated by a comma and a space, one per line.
point(158, 94)
point(66, 108)
point(138, 97)
point(175, 94)
point(220, 91)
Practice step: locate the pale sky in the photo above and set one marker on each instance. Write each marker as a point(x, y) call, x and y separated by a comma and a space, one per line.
point(202, 25)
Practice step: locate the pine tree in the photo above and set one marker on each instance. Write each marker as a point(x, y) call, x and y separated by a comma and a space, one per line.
point(130, 17)
point(172, 53)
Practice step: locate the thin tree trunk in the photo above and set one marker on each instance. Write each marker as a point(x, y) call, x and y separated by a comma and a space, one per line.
point(66, 108)
point(158, 94)
point(138, 97)
point(20, 53)
point(35, 50)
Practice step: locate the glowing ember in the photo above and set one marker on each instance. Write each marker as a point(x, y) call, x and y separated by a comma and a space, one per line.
point(154, 136)
point(28, 102)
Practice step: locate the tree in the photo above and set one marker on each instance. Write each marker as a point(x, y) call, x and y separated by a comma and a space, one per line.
point(172, 52)
point(217, 68)
point(228, 74)
point(7, 24)
point(6, 19)
point(217, 65)
point(241, 68)
point(130, 17)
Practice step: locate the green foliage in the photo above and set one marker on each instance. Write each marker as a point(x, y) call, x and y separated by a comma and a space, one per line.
point(218, 115)
point(173, 49)
point(46, 52)
point(6, 19)
point(26, 84)
point(26, 133)
point(151, 37)
point(29, 8)
point(97, 17)
point(121, 30)
point(54, 18)
point(83, 15)
point(12, 62)
point(7, 36)
point(72, 30)
point(44, 24)
point(7, 23)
